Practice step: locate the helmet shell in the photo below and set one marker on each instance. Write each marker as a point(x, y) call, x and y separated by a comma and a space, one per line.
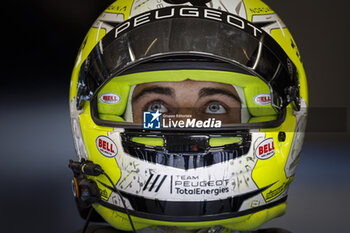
point(269, 172)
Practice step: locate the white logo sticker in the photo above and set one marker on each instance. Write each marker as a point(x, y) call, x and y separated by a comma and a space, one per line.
point(262, 99)
point(110, 98)
point(266, 149)
point(106, 146)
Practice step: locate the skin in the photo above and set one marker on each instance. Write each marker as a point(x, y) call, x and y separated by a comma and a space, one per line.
point(200, 100)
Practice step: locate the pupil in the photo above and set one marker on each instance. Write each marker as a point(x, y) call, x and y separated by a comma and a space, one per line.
point(155, 107)
point(214, 107)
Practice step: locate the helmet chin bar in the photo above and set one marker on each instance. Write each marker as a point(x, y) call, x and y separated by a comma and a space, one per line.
point(195, 211)
point(87, 193)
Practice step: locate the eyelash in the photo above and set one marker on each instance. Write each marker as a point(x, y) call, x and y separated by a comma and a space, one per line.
point(146, 107)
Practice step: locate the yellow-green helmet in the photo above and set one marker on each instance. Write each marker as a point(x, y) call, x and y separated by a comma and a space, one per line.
point(195, 110)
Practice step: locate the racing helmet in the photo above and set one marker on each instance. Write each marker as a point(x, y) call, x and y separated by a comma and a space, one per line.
point(188, 114)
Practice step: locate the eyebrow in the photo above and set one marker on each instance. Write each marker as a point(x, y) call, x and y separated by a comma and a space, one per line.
point(154, 89)
point(217, 91)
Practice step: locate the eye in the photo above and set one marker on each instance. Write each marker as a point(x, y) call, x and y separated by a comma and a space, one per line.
point(156, 106)
point(215, 108)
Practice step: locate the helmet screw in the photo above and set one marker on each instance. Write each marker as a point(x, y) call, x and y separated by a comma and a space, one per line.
point(281, 136)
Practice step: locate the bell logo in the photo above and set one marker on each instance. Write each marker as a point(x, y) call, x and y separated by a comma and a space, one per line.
point(266, 149)
point(106, 146)
point(262, 99)
point(110, 98)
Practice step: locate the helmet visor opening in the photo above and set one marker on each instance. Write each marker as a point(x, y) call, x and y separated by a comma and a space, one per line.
point(184, 99)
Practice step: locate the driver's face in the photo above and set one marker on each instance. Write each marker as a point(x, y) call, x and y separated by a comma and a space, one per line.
point(201, 100)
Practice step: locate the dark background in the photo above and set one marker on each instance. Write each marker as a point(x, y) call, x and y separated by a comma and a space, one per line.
point(42, 38)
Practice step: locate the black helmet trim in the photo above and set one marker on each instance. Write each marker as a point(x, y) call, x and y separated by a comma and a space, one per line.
point(185, 63)
point(176, 211)
point(185, 151)
point(190, 31)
